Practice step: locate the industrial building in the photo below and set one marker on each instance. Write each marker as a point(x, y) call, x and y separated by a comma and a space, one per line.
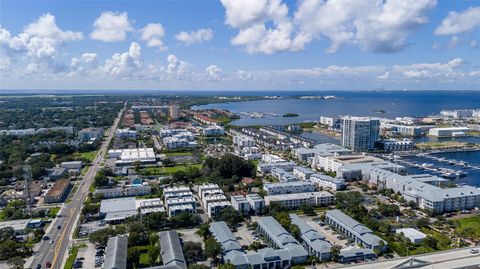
point(414, 235)
point(449, 131)
point(129, 156)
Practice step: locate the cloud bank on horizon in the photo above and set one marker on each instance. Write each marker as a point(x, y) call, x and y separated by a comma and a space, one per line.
point(249, 44)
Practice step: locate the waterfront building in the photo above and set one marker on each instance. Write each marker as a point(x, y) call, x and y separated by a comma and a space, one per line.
point(354, 230)
point(331, 163)
point(294, 200)
point(288, 187)
point(427, 191)
point(449, 131)
point(404, 130)
point(390, 145)
point(458, 113)
point(313, 241)
point(360, 133)
point(328, 182)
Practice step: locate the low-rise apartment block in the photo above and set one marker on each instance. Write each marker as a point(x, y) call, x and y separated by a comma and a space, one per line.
point(302, 173)
point(328, 182)
point(257, 203)
point(313, 241)
point(288, 187)
point(294, 200)
point(240, 203)
point(354, 230)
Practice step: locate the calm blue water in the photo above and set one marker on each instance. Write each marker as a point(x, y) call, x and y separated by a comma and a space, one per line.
point(473, 158)
point(421, 103)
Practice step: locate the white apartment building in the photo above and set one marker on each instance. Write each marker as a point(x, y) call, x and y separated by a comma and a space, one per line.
point(302, 173)
point(288, 187)
point(327, 182)
point(243, 141)
point(216, 207)
point(333, 163)
point(360, 133)
point(256, 202)
point(207, 199)
point(240, 203)
point(125, 133)
point(213, 130)
point(203, 189)
point(294, 200)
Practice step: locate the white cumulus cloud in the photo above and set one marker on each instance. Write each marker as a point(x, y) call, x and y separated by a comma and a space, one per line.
point(153, 34)
point(214, 72)
point(126, 63)
point(456, 23)
point(111, 27)
point(194, 37)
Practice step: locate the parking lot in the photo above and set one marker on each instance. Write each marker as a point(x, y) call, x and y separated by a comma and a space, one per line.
point(244, 236)
point(87, 256)
point(329, 234)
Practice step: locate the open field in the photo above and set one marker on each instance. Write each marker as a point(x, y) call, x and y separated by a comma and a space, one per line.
point(168, 170)
point(469, 226)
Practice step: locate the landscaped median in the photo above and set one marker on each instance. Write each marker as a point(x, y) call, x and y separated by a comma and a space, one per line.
point(72, 256)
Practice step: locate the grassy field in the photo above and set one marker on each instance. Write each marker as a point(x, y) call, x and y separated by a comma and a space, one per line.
point(169, 170)
point(53, 211)
point(89, 155)
point(440, 145)
point(469, 226)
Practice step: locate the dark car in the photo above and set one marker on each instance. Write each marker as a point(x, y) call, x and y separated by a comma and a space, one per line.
point(59, 227)
point(48, 265)
point(38, 266)
point(45, 237)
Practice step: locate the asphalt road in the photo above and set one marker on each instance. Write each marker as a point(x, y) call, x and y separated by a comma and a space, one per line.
point(56, 252)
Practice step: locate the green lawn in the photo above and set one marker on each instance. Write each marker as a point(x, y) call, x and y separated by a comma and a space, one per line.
point(72, 192)
point(168, 170)
point(53, 211)
point(89, 155)
point(469, 226)
point(71, 257)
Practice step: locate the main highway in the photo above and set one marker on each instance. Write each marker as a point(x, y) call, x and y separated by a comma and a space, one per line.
point(61, 228)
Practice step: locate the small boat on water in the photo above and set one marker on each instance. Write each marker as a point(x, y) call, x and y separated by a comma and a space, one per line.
point(426, 165)
point(449, 175)
point(461, 173)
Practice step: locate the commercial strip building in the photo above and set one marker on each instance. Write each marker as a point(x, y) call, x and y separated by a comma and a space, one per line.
point(425, 190)
point(59, 191)
point(328, 182)
point(74, 165)
point(288, 187)
point(360, 133)
point(350, 255)
point(19, 226)
point(129, 156)
point(294, 200)
point(313, 241)
point(116, 253)
point(354, 230)
point(118, 209)
point(414, 235)
point(121, 192)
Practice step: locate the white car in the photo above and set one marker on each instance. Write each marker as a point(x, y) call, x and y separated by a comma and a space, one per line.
point(474, 251)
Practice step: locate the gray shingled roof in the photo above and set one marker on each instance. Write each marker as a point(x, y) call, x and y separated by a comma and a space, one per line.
point(224, 236)
point(171, 249)
point(116, 253)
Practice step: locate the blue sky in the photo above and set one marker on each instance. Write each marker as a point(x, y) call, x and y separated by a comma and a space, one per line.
point(240, 44)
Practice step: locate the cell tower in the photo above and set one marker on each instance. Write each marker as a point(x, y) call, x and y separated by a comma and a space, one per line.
point(27, 176)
